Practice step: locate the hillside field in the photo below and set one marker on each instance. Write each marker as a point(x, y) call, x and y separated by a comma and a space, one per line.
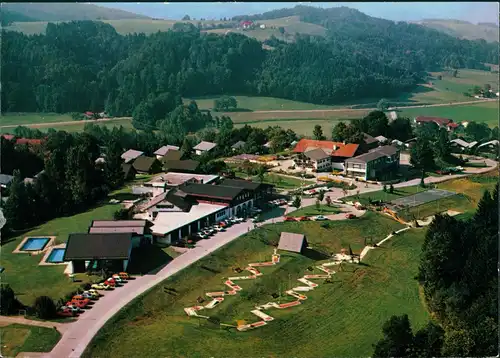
point(327, 324)
point(486, 112)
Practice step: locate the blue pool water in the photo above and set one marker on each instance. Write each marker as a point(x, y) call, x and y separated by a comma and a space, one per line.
point(56, 256)
point(35, 244)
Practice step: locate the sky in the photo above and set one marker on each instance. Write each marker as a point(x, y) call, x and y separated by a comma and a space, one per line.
point(397, 11)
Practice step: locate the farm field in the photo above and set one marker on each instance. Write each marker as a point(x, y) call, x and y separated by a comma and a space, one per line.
point(259, 103)
point(70, 127)
point(486, 112)
point(155, 324)
point(21, 119)
point(17, 338)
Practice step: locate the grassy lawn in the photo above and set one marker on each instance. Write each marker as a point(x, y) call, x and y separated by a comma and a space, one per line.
point(280, 181)
point(71, 127)
point(27, 278)
point(313, 211)
point(260, 103)
point(386, 196)
point(17, 338)
point(486, 112)
point(352, 309)
point(10, 119)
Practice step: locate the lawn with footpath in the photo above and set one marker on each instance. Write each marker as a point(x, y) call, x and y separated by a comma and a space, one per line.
point(313, 211)
point(343, 318)
point(27, 278)
point(16, 338)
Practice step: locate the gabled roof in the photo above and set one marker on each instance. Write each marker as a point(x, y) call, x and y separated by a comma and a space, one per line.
point(245, 184)
point(188, 165)
point(491, 142)
point(238, 145)
point(144, 164)
point(205, 146)
point(460, 142)
point(211, 191)
point(368, 139)
point(119, 223)
point(110, 230)
point(384, 151)
point(127, 168)
point(438, 120)
point(316, 154)
point(291, 242)
point(381, 138)
point(98, 246)
point(337, 149)
point(131, 154)
point(346, 151)
point(165, 149)
point(5, 179)
point(8, 136)
point(172, 154)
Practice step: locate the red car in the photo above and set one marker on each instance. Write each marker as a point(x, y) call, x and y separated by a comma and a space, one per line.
point(289, 218)
point(304, 218)
point(78, 301)
point(110, 282)
point(65, 312)
point(350, 216)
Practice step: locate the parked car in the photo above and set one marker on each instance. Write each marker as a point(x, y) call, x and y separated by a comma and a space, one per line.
point(256, 219)
point(111, 282)
point(220, 228)
point(73, 308)
point(118, 279)
point(78, 301)
point(90, 296)
point(124, 275)
point(223, 224)
point(320, 218)
point(67, 311)
point(101, 286)
point(289, 218)
point(201, 235)
point(304, 218)
point(350, 216)
point(93, 293)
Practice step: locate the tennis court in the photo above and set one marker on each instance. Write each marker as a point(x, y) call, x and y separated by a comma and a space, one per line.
point(422, 198)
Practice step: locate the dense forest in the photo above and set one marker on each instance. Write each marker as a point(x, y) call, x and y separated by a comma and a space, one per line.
point(85, 65)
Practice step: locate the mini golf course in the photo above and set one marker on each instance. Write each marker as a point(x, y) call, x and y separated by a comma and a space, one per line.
point(218, 297)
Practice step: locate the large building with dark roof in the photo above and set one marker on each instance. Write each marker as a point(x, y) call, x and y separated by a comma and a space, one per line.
point(190, 206)
point(379, 163)
point(87, 252)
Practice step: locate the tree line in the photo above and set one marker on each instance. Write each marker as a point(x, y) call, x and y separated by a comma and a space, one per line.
point(458, 272)
point(87, 66)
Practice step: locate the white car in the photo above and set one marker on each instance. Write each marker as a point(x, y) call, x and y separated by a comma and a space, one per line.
point(320, 218)
point(219, 228)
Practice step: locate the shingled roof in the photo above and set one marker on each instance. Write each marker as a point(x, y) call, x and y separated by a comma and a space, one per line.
point(165, 149)
point(115, 246)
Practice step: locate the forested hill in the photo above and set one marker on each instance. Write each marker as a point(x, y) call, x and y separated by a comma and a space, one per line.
point(63, 12)
point(340, 20)
point(87, 65)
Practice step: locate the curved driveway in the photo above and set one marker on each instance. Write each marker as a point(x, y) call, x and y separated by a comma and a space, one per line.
point(78, 334)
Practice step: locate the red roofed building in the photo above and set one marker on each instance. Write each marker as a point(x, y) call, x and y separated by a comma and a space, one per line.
point(8, 136)
point(337, 151)
point(246, 24)
point(29, 141)
point(441, 122)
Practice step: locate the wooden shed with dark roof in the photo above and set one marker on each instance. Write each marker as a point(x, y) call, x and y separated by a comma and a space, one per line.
point(292, 242)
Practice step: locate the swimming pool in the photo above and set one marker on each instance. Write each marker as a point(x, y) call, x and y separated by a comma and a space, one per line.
point(56, 256)
point(35, 244)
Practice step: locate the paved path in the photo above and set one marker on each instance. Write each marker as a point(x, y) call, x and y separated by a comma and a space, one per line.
point(6, 320)
point(374, 109)
point(79, 334)
point(66, 123)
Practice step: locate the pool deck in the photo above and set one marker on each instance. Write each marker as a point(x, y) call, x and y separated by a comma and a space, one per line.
point(44, 262)
point(18, 250)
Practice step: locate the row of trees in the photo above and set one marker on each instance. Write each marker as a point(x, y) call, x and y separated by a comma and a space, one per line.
point(85, 65)
point(458, 272)
point(69, 183)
